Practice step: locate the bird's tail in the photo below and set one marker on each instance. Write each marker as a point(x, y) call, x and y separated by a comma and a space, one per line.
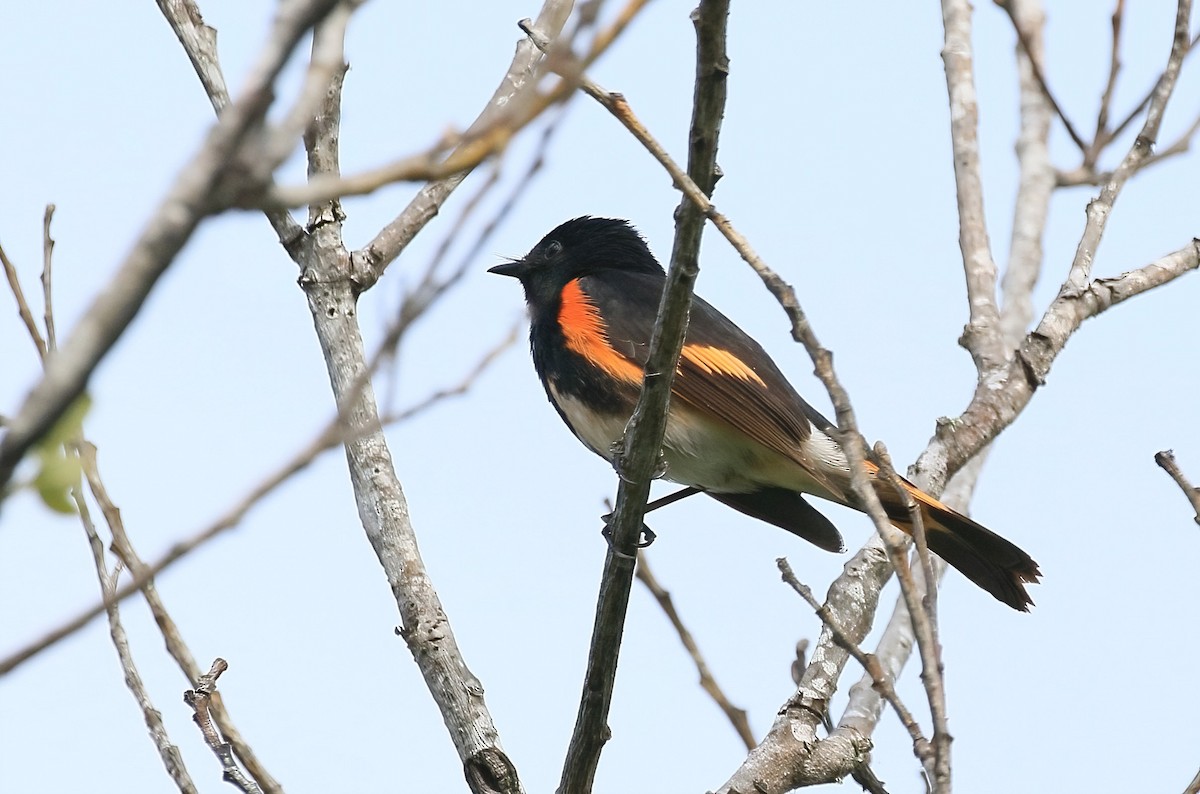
point(988, 560)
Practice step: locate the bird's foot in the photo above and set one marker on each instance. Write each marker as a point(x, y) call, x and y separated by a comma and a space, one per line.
point(645, 537)
point(621, 467)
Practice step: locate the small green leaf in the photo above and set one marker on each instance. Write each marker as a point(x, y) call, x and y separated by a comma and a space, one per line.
point(59, 468)
point(57, 475)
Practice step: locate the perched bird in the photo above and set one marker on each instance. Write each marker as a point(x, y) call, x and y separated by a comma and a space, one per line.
point(736, 429)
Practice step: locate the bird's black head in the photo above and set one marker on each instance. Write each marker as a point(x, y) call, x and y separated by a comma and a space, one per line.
point(580, 247)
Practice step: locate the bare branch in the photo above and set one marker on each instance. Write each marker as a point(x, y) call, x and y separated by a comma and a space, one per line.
point(981, 337)
point(1098, 210)
point(1194, 786)
point(31, 327)
point(200, 699)
point(1101, 137)
point(329, 437)
point(168, 752)
point(1137, 110)
point(1033, 51)
point(196, 193)
point(638, 460)
point(737, 716)
point(1166, 459)
point(1035, 186)
point(332, 293)
point(369, 262)
point(200, 43)
point(993, 409)
point(123, 548)
point(881, 682)
point(47, 279)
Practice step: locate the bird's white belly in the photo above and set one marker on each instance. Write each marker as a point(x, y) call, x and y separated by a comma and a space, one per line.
point(708, 454)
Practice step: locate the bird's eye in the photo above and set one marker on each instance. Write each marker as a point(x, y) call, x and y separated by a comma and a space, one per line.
point(553, 249)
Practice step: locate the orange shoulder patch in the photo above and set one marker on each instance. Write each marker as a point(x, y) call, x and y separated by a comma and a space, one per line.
point(586, 335)
point(714, 360)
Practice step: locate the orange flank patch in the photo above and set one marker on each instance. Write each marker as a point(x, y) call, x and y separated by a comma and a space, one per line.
point(920, 496)
point(585, 334)
point(714, 360)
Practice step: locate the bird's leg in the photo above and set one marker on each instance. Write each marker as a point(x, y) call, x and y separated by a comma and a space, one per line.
point(672, 498)
point(648, 536)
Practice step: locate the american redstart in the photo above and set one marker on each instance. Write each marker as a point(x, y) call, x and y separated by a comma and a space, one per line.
point(736, 429)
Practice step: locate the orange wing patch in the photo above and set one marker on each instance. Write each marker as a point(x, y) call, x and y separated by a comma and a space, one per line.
point(714, 360)
point(586, 335)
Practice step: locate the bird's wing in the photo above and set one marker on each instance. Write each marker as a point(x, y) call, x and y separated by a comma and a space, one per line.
point(723, 373)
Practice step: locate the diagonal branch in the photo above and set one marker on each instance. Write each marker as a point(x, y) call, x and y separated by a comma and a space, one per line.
point(189, 200)
point(993, 410)
point(1033, 51)
point(1166, 460)
point(880, 679)
point(737, 716)
point(327, 438)
point(369, 262)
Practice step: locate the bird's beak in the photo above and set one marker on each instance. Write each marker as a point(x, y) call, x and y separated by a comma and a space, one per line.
point(514, 267)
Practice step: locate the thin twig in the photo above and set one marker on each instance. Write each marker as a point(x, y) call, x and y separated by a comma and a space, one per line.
point(168, 752)
point(737, 716)
point(123, 548)
point(458, 389)
point(992, 408)
point(923, 613)
point(47, 279)
point(1166, 459)
point(882, 683)
point(329, 437)
point(1102, 136)
point(1035, 187)
point(1149, 97)
point(31, 326)
point(369, 262)
point(1099, 209)
point(201, 701)
point(1039, 75)
point(192, 197)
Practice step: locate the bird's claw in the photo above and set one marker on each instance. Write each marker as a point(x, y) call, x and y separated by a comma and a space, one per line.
point(617, 450)
point(645, 537)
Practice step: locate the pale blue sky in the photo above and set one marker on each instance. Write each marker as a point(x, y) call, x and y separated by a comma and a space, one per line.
point(837, 167)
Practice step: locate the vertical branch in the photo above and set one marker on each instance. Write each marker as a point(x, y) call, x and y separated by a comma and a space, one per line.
point(1103, 136)
point(47, 279)
point(982, 334)
point(1099, 208)
point(644, 433)
point(1036, 179)
point(332, 291)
